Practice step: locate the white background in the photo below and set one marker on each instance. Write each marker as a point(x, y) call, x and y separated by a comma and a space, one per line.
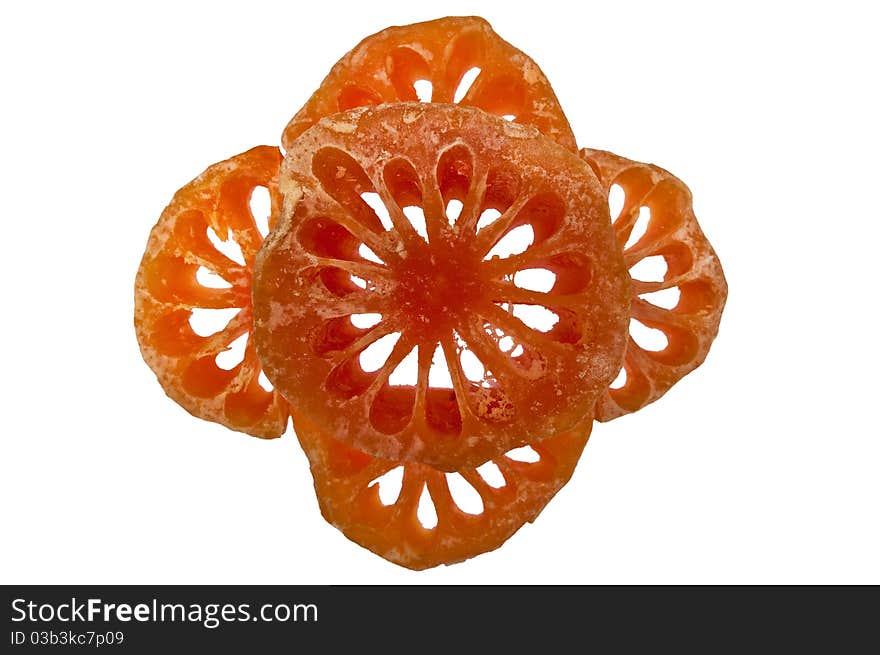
point(761, 467)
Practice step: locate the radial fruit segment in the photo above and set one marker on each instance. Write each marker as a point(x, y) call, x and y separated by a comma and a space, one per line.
point(441, 283)
point(193, 295)
point(417, 516)
point(678, 286)
point(455, 59)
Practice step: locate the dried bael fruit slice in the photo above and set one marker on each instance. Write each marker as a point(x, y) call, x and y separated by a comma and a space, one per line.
point(454, 59)
point(193, 295)
point(393, 304)
point(419, 517)
point(678, 286)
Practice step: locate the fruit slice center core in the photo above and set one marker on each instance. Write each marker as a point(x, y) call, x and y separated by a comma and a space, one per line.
point(437, 287)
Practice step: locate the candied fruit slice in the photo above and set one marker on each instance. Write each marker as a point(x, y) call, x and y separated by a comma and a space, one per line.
point(417, 516)
point(193, 314)
point(455, 59)
point(386, 301)
point(678, 287)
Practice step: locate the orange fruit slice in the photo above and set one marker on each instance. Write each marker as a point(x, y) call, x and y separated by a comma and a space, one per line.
point(184, 277)
point(406, 235)
point(678, 286)
point(437, 60)
point(428, 519)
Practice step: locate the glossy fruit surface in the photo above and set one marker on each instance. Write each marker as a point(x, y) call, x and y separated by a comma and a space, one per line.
point(409, 232)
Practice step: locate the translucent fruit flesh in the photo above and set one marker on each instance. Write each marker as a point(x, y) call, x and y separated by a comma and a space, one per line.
point(678, 286)
point(437, 60)
point(348, 487)
point(184, 276)
point(335, 260)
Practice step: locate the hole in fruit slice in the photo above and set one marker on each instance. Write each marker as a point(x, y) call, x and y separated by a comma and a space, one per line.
point(508, 117)
point(377, 353)
point(525, 454)
point(261, 207)
point(206, 322)
point(424, 90)
point(619, 381)
point(362, 283)
point(453, 211)
point(535, 279)
point(389, 485)
point(646, 337)
point(536, 317)
point(233, 355)
point(364, 321)
point(210, 280)
point(366, 252)
point(407, 372)
point(438, 375)
point(427, 513)
point(616, 198)
point(472, 366)
point(639, 228)
point(467, 81)
point(465, 496)
point(515, 242)
point(492, 475)
point(488, 217)
point(263, 381)
point(376, 204)
point(665, 298)
point(650, 269)
point(416, 216)
point(228, 248)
